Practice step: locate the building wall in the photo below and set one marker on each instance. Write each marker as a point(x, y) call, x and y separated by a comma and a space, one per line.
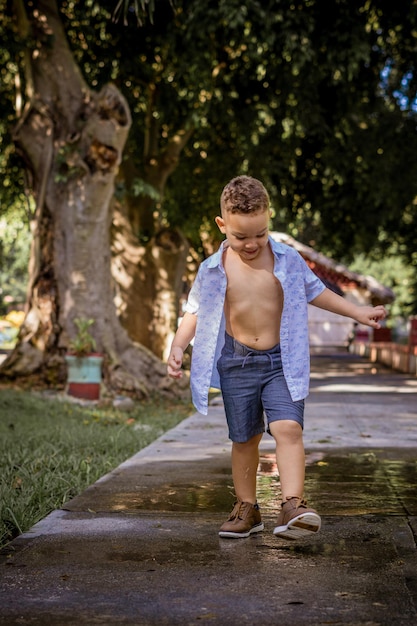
point(329, 329)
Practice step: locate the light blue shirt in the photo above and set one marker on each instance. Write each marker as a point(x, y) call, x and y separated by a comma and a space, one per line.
point(206, 300)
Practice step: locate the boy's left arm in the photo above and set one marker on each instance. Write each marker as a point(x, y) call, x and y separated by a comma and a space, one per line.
point(368, 315)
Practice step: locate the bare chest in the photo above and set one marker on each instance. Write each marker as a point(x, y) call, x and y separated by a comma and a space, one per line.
point(253, 286)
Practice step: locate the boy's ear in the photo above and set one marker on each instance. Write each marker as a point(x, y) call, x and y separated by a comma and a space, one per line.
point(220, 223)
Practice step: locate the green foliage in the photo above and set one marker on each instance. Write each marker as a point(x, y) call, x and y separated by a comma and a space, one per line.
point(126, 8)
point(83, 343)
point(12, 51)
point(51, 450)
point(391, 271)
point(297, 95)
point(140, 187)
point(15, 239)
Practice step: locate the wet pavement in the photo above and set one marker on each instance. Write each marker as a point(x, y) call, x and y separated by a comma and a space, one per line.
point(141, 547)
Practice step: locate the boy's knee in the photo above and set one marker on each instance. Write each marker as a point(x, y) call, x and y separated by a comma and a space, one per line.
point(286, 429)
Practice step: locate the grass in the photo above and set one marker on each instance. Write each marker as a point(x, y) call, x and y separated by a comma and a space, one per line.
point(51, 450)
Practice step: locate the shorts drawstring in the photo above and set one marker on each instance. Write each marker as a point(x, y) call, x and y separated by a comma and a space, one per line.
point(246, 358)
point(241, 350)
point(250, 353)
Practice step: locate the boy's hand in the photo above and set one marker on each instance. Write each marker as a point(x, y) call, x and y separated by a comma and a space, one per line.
point(371, 315)
point(175, 362)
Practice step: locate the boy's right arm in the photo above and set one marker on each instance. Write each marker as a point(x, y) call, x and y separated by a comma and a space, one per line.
point(183, 336)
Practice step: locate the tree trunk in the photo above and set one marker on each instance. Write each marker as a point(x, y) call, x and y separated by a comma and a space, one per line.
point(150, 284)
point(72, 141)
point(150, 277)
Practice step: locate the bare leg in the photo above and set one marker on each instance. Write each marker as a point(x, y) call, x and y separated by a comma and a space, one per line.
point(245, 461)
point(288, 436)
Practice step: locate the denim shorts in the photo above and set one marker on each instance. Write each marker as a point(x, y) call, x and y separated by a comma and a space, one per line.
point(254, 388)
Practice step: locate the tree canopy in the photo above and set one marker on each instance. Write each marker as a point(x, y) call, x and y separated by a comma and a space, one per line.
point(316, 99)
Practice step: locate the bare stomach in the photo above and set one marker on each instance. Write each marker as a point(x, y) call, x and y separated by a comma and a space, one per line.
point(259, 332)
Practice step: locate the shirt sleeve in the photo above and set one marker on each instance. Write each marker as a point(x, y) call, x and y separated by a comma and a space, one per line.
point(313, 285)
point(193, 301)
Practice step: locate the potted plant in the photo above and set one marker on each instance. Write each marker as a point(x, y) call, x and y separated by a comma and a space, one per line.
point(84, 364)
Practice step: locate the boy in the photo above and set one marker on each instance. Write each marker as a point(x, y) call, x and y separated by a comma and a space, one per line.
point(247, 311)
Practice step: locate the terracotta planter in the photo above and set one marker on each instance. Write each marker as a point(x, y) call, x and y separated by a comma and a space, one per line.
point(84, 376)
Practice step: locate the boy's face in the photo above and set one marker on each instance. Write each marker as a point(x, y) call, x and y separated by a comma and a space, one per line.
point(247, 234)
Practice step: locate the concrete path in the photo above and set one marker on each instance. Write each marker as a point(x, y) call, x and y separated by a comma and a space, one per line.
point(140, 546)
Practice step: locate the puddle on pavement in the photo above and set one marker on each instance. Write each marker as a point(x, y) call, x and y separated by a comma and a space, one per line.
point(358, 483)
point(185, 498)
point(353, 483)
